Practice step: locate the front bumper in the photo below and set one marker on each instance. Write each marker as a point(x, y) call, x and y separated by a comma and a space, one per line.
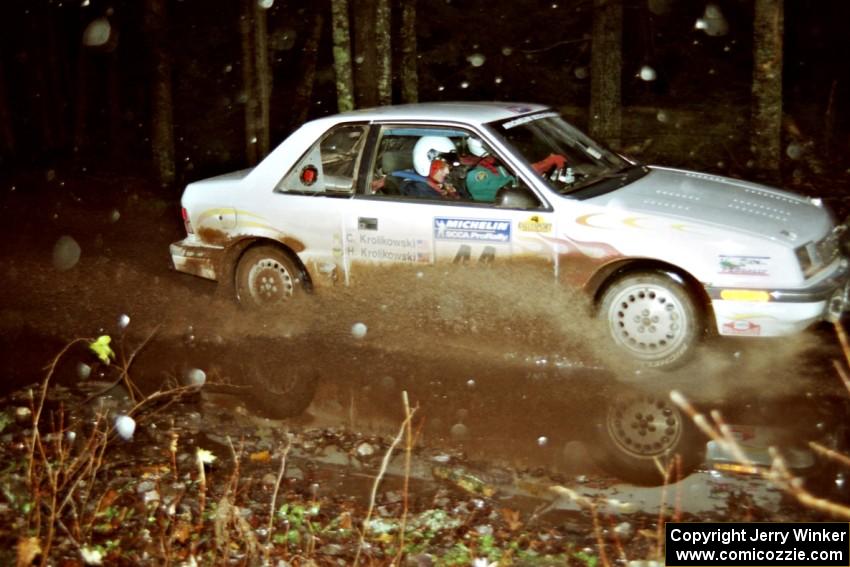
point(193, 257)
point(788, 311)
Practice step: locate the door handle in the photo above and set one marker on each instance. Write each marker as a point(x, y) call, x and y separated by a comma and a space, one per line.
point(364, 223)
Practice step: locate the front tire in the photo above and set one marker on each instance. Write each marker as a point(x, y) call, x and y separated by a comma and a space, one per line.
point(640, 434)
point(652, 318)
point(266, 277)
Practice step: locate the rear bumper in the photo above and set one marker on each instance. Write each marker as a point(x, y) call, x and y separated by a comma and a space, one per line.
point(788, 311)
point(192, 257)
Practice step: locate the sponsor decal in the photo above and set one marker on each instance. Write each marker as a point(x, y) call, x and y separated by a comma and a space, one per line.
point(535, 224)
point(742, 328)
point(375, 247)
point(744, 265)
point(480, 230)
point(527, 119)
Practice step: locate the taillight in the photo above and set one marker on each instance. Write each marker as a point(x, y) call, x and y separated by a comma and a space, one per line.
point(186, 222)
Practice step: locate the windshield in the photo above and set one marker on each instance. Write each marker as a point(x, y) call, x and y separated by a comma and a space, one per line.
point(540, 136)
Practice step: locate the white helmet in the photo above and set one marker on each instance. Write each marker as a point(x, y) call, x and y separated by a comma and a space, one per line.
point(426, 149)
point(476, 146)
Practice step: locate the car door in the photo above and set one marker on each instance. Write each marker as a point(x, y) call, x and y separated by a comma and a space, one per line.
point(385, 227)
point(307, 208)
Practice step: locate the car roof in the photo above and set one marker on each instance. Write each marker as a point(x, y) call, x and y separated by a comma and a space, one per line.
point(466, 112)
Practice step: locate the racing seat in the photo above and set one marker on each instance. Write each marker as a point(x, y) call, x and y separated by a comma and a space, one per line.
point(392, 162)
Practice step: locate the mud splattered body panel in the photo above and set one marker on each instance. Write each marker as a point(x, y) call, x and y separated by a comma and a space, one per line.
point(766, 260)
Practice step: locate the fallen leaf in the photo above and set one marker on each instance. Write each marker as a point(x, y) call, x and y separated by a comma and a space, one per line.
point(28, 549)
point(511, 518)
point(464, 480)
point(107, 500)
point(102, 349)
point(182, 532)
point(204, 456)
point(260, 457)
point(345, 521)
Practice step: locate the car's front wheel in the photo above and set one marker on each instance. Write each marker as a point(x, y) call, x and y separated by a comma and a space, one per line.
point(652, 318)
point(266, 277)
point(638, 436)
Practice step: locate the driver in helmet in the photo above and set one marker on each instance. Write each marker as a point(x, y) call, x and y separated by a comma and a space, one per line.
point(486, 175)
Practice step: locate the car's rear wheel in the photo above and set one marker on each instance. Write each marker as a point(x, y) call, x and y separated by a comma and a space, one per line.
point(652, 318)
point(266, 277)
point(639, 435)
point(285, 392)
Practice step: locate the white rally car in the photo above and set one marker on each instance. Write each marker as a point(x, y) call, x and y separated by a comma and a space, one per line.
point(665, 254)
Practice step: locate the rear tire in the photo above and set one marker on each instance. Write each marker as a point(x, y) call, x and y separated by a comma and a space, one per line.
point(267, 277)
point(287, 395)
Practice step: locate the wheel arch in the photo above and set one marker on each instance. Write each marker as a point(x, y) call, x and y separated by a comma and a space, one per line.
point(236, 250)
point(610, 273)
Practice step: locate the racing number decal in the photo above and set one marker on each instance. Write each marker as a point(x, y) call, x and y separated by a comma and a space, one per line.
point(464, 254)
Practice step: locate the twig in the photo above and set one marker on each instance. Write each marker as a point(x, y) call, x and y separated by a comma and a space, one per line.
point(408, 448)
point(831, 454)
point(600, 541)
point(125, 370)
point(556, 44)
point(273, 506)
point(778, 473)
point(132, 389)
point(384, 464)
point(36, 416)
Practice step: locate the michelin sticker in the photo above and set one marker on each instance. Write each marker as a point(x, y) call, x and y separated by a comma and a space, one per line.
point(744, 265)
point(535, 224)
point(477, 230)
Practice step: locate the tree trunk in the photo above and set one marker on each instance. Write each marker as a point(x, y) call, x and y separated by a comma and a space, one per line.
point(605, 71)
point(829, 122)
point(409, 73)
point(42, 92)
point(50, 52)
point(768, 30)
point(7, 133)
point(162, 121)
point(383, 45)
point(247, 27)
point(113, 90)
point(342, 54)
point(264, 79)
point(365, 54)
point(304, 92)
point(81, 100)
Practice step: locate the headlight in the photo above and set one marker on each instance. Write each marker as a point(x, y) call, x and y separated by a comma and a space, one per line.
point(805, 260)
point(813, 256)
point(827, 249)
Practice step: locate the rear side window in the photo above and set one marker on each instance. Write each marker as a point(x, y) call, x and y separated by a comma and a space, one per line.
point(330, 166)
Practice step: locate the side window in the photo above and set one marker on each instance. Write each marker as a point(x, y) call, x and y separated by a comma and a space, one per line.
point(330, 166)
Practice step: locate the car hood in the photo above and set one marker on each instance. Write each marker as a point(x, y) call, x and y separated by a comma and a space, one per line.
point(722, 202)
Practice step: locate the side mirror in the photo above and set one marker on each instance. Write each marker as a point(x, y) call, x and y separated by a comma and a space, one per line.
point(516, 198)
